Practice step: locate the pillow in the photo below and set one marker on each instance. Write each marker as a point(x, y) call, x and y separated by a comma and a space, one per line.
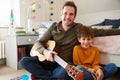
point(103, 27)
point(114, 22)
point(43, 27)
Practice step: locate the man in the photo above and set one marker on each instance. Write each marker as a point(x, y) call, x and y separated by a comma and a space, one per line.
point(64, 34)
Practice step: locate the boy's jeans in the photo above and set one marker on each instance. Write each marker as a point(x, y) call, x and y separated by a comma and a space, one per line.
point(109, 70)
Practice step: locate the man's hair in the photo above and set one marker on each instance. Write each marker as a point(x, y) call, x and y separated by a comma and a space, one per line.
point(71, 4)
point(85, 32)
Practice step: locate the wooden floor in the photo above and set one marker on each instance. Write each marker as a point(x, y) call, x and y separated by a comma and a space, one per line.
point(7, 73)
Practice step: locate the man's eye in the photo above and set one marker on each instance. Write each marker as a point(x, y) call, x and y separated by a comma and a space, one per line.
point(65, 13)
point(71, 14)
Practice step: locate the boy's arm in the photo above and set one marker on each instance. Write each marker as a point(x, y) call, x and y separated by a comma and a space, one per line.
point(96, 62)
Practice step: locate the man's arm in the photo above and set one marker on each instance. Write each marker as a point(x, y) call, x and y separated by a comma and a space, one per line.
point(106, 32)
point(40, 43)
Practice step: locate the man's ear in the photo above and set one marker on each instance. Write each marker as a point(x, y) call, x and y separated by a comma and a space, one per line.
point(60, 14)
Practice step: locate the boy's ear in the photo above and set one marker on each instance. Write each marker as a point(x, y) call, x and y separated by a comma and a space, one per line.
point(78, 39)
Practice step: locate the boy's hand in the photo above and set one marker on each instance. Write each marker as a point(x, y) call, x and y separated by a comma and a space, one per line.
point(93, 71)
point(99, 74)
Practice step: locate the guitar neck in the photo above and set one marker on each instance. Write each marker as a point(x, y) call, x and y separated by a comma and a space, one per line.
point(60, 61)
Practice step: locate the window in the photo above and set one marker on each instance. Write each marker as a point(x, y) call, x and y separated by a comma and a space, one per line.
point(5, 8)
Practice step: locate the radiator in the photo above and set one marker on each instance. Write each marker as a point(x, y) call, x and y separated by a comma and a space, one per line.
point(2, 49)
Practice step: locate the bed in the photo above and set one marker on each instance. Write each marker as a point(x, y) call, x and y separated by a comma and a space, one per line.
point(109, 49)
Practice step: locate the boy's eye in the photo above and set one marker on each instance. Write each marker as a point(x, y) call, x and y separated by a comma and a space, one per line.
point(83, 39)
point(86, 38)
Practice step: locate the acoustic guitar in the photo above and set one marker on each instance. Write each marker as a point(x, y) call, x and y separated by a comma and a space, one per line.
point(72, 71)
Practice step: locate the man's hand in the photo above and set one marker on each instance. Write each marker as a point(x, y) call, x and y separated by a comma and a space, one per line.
point(49, 55)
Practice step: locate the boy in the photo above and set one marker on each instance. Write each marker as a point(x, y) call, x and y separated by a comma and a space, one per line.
point(87, 57)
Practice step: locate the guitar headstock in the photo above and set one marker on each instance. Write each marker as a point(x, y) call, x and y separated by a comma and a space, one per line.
point(74, 72)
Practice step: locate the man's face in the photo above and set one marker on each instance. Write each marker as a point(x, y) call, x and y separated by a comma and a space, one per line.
point(68, 15)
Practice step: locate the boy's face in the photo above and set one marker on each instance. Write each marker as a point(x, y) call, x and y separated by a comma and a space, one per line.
point(86, 42)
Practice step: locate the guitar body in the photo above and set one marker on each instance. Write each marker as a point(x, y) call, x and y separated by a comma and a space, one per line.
point(72, 71)
point(50, 45)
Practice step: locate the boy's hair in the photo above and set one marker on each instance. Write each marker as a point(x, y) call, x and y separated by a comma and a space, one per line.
point(70, 3)
point(85, 32)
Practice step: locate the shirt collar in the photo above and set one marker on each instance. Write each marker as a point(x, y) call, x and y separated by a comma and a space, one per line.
point(60, 23)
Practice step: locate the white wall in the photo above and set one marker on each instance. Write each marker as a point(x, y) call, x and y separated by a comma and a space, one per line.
point(97, 17)
point(86, 8)
point(95, 11)
point(15, 5)
point(93, 6)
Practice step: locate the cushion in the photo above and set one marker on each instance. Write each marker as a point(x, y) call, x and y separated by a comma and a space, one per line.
point(43, 27)
point(103, 27)
point(114, 22)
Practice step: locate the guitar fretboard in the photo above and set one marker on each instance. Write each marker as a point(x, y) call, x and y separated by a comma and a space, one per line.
point(60, 61)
